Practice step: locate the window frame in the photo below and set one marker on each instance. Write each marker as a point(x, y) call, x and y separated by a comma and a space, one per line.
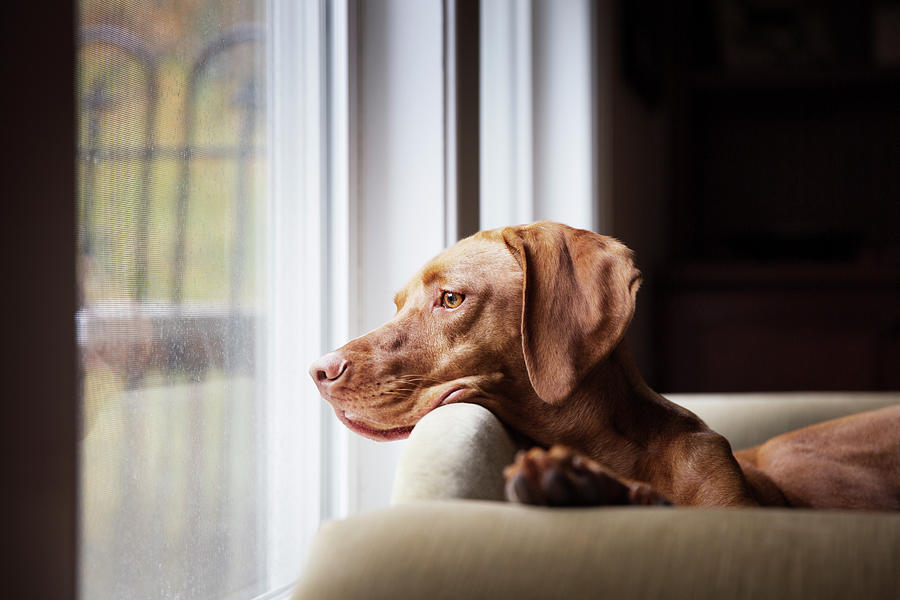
point(297, 237)
point(404, 175)
point(545, 144)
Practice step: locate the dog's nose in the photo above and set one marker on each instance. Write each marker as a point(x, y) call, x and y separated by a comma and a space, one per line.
point(328, 369)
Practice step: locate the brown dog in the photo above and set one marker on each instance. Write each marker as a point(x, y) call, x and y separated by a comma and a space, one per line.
point(529, 323)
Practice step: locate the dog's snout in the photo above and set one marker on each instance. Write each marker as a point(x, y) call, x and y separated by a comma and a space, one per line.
point(328, 369)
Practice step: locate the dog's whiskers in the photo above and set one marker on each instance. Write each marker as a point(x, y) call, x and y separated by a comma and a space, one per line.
point(418, 378)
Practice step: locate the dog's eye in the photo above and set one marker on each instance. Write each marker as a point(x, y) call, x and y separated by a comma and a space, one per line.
point(451, 299)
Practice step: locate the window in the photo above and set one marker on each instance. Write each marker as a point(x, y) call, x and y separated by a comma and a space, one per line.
point(246, 168)
point(200, 189)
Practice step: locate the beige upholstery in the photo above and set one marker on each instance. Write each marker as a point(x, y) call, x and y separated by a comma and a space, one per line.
point(426, 548)
point(458, 451)
point(750, 419)
point(470, 549)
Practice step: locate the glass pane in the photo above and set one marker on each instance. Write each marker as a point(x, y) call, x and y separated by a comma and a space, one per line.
point(172, 143)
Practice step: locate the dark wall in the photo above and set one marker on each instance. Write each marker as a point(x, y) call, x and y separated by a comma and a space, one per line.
point(39, 358)
point(756, 154)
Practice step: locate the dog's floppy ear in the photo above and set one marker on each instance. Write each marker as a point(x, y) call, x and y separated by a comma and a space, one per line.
point(579, 293)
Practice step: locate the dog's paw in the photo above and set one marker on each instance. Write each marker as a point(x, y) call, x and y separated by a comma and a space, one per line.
point(562, 477)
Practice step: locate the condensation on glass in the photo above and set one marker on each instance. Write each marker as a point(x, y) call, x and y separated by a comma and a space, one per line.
point(171, 165)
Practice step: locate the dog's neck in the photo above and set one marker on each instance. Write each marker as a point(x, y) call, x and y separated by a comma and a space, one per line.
point(627, 417)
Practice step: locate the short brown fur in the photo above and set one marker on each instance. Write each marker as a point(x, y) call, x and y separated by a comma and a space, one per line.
point(538, 340)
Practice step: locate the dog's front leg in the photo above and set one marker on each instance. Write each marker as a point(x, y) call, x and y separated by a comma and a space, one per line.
point(562, 477)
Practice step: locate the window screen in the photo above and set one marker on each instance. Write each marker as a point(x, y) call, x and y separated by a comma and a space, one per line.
point(172, 159)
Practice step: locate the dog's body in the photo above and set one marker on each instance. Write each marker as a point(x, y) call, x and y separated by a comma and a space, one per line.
point(529, 323)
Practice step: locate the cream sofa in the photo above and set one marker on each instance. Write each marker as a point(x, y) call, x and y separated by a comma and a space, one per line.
point(450, 535)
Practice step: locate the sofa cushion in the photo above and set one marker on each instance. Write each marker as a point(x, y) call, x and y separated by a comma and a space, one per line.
point(750, 419)
point(469, 549)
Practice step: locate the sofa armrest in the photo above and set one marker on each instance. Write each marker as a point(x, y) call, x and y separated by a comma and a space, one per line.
point(455, 451)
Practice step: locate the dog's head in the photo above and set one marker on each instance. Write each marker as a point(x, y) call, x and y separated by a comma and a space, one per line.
point(512, 319)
